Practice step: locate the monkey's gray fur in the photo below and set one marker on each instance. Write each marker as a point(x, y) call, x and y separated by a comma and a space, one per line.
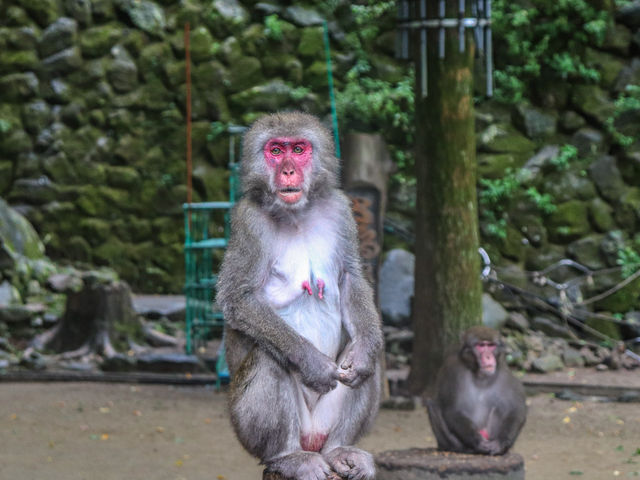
point(304, 367)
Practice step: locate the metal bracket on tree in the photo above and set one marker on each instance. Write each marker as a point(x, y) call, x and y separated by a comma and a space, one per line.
point(413, 16)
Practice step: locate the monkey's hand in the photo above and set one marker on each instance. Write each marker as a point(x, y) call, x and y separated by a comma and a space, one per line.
point(318, 371)
point(355, 365)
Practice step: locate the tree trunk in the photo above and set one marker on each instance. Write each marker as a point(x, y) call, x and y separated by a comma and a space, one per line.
point(447, 273)
point(99, 312)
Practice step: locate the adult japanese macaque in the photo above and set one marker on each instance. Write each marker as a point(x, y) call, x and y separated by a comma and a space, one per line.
point(303, 336)
point(479, 406)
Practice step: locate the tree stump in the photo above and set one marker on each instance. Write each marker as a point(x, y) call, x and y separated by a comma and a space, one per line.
point(101, 310)
point(432, 464)
point(365, 172)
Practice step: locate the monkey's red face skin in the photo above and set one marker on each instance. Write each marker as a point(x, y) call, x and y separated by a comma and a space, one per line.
point(289, 158)
point(485, 352)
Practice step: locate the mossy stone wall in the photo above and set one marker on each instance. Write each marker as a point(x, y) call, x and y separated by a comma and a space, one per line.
point(92, 114)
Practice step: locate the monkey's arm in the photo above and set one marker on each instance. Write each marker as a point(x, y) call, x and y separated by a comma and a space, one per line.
point(359, 312)
point(244, 271)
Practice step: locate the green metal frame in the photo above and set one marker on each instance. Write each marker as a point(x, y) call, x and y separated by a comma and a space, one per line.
point(201, 315)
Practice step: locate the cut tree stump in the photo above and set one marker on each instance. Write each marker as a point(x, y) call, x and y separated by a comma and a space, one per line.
point(94, 315)
point(432, 464)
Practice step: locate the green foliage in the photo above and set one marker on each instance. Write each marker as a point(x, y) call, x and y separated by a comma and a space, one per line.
point(5, 125)
point(273, 27)
point(567, 154)
point(369, 104)
point(629, 260)
point(215, 130)
point(495, 197)
point(542, 201)
point(544, 38)
point(494, 192)
point(627, 101)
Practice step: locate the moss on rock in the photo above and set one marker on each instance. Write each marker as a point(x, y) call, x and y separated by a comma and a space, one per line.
point(97, 41)
point(568, 222)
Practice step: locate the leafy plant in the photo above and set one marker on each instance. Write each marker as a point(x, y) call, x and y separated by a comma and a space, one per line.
point(494, 192)
point(495, 196)
point(543, 201)
point(544, 38)
point(628, 101)
point(565, 156)
point(367, 103)
point(629, 260)
point(273, 27)
point(5, 125)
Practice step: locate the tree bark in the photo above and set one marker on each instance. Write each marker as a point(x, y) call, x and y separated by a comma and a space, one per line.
point(93, 317)
point(447, 272)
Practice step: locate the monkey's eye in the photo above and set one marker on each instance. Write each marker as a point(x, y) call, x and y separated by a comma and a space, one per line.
point(298, 149)
point(276, 151)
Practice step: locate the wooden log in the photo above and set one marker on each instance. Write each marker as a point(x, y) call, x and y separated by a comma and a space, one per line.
point(431, 464)
point(365, 173)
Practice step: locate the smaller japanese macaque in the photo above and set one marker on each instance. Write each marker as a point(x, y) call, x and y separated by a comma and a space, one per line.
point(479, 406)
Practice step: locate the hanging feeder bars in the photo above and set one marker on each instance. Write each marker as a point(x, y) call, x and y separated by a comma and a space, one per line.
point(412, 16)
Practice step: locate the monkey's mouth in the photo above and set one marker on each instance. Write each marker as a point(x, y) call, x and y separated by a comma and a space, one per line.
point(290, 194)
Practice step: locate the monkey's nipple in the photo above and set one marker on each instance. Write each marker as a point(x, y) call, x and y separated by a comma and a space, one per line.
point(306, 286)
point(321, 285)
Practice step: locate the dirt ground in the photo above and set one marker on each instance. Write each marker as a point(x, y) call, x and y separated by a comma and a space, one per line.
point(94, 431)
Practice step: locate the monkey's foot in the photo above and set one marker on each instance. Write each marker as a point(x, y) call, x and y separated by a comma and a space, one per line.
point(352, 463)
point(307, 287)
point(302, 465)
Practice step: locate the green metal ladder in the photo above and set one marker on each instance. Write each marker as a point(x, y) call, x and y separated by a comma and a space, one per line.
point(202, 317)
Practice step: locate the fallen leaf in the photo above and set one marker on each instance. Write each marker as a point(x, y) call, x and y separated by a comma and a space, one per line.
point(207, 420)
point(160, 429)
point(104, 436)
point(178, 463)
point(137, 413)
point(566, 420)
point(13, 416)
point(105, 409)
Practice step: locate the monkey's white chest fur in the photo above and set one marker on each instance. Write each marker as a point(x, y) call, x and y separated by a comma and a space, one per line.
point(307, 257)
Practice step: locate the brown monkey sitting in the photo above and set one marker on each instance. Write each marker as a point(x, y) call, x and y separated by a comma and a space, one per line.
point(303, 336)
point(479, 406)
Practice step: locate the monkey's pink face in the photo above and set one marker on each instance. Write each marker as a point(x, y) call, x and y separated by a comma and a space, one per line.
point(486, 354)
point(290, 159)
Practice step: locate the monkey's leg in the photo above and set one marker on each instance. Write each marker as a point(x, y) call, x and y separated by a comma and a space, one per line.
point(351, 412)
point(265, 409)
point(505, 430)
point(444, 437)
